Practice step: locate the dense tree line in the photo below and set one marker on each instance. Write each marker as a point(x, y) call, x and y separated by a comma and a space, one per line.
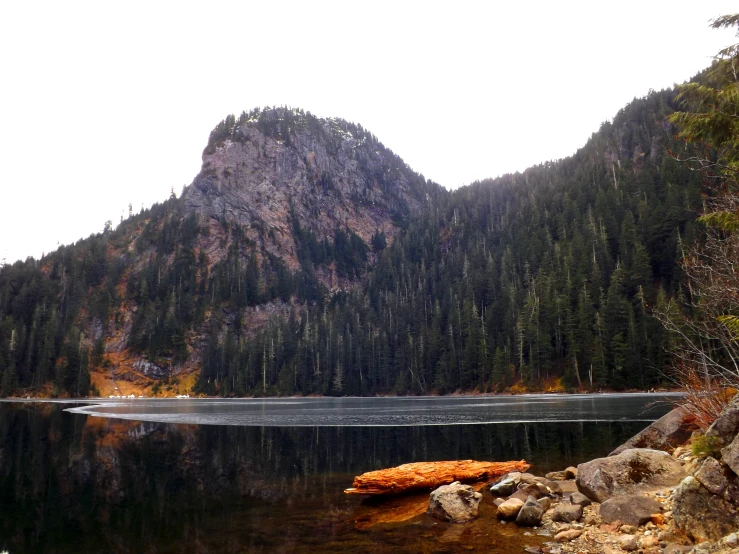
point(525, 279)
point(538, 279)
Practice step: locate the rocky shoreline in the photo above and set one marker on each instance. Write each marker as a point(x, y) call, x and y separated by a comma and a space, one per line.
point(670, 489)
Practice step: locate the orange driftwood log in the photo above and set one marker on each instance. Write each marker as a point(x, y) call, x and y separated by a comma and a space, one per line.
point(429, 475)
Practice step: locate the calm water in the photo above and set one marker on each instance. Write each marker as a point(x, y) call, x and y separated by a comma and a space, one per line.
point(268, 476)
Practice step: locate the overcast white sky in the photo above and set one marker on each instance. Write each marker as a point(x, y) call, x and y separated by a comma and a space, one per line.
point(106, 103)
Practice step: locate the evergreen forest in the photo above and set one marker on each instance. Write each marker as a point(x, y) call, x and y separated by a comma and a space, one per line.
point(540, 280)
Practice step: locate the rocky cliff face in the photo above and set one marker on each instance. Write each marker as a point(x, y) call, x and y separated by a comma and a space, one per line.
point(275, 167)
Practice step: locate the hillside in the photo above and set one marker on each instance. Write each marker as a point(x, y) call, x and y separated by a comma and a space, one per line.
point(307, 258)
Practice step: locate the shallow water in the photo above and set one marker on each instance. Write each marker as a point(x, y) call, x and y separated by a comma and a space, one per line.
point(264, 476)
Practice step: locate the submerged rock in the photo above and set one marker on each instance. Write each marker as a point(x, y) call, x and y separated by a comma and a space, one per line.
point(456, 503)
point(510, 508)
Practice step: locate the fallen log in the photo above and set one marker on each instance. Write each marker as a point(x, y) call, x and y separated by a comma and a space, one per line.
point(429, 475)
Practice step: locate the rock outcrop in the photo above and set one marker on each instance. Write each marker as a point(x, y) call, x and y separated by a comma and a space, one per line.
point(273, 168)
point(669, 431)
point(726, 426)
point(703, 516)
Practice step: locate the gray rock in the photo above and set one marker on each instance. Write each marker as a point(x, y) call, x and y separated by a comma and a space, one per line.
point(631, 471)
point(702, 516)
point(580, 498)
point(545, 503)
point(567, 513)
point(456, 503)
point(672, 429)
point(730, 455)
point(530, 513)
point(630, 509)
point(504, 488)
point(726, 426)
point(552, 486)
point(546, 486)
point(711, 475)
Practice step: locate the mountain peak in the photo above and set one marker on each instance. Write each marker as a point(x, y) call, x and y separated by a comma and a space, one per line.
point(271, 165)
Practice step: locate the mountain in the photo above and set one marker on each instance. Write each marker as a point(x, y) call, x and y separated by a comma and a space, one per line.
point(273, 170)
point(307, 258)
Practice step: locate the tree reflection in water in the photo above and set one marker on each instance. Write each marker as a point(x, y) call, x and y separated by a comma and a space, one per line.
point(74, 483)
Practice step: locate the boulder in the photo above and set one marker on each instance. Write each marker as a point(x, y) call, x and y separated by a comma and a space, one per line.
point(726, 426)
point(580, 498)
point(570, 472)
point(556, 476)
point(630, 509)
point(510, 508)
point(456, 503)
point(701, 515)
point(567, 513)
point(711, 475)
point(530, 513)
point(631, 471)
point(672, 429)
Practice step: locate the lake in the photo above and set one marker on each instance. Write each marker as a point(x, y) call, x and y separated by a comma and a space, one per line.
point(253, 475)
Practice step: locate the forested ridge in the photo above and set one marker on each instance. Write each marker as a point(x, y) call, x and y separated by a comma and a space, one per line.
point(538, 280)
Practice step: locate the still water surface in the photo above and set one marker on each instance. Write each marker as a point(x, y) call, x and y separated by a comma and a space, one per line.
point(391, 411)
point(268, 475)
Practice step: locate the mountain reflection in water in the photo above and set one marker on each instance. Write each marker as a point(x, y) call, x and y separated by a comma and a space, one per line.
point(77, 483)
